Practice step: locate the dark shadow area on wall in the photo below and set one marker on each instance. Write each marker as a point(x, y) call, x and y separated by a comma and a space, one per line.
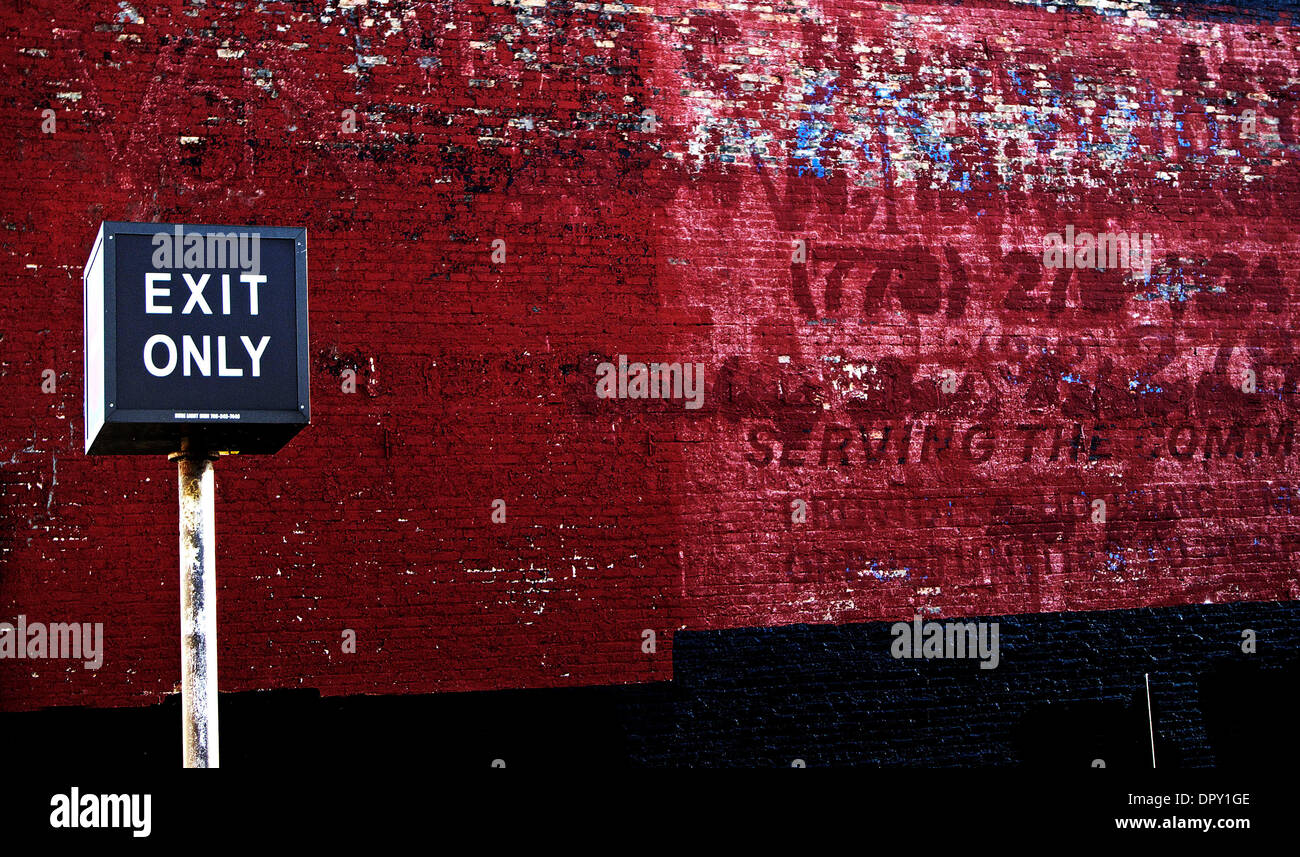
point(1250, 715)
point(1080, 735)
point(1068, 690)
point(295, 729)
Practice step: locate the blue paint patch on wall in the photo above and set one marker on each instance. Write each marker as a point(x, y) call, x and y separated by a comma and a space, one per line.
point(1224, 11)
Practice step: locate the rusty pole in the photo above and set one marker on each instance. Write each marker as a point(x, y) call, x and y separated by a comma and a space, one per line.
point(199, 734)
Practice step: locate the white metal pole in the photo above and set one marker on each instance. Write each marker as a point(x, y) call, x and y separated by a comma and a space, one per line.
point(1150, 723)
point(199, 733)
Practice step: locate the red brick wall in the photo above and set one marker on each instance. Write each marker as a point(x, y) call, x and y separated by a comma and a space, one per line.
point(920, 151)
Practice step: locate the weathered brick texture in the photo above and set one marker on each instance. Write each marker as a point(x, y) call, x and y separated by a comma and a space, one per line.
point(652, 171)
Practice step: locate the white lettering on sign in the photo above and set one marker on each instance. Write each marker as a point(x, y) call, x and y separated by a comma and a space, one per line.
point(253, 280)
point(157, 339)
point(195, 355)
point(204, 362)
point(255, 353)
point(223, 370)
point(153, 291)
point(196, 294)
point(198, 356)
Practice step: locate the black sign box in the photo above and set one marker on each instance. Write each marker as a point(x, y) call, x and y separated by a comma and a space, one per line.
point(195, 333)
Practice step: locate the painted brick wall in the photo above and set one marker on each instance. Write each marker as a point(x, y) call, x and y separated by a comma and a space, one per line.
point(1069, 690)
point(652, 172)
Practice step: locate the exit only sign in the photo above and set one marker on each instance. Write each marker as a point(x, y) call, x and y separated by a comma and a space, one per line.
point(198, 333)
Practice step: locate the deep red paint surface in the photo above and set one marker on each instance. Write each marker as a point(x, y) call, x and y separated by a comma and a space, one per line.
point(667, 241)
